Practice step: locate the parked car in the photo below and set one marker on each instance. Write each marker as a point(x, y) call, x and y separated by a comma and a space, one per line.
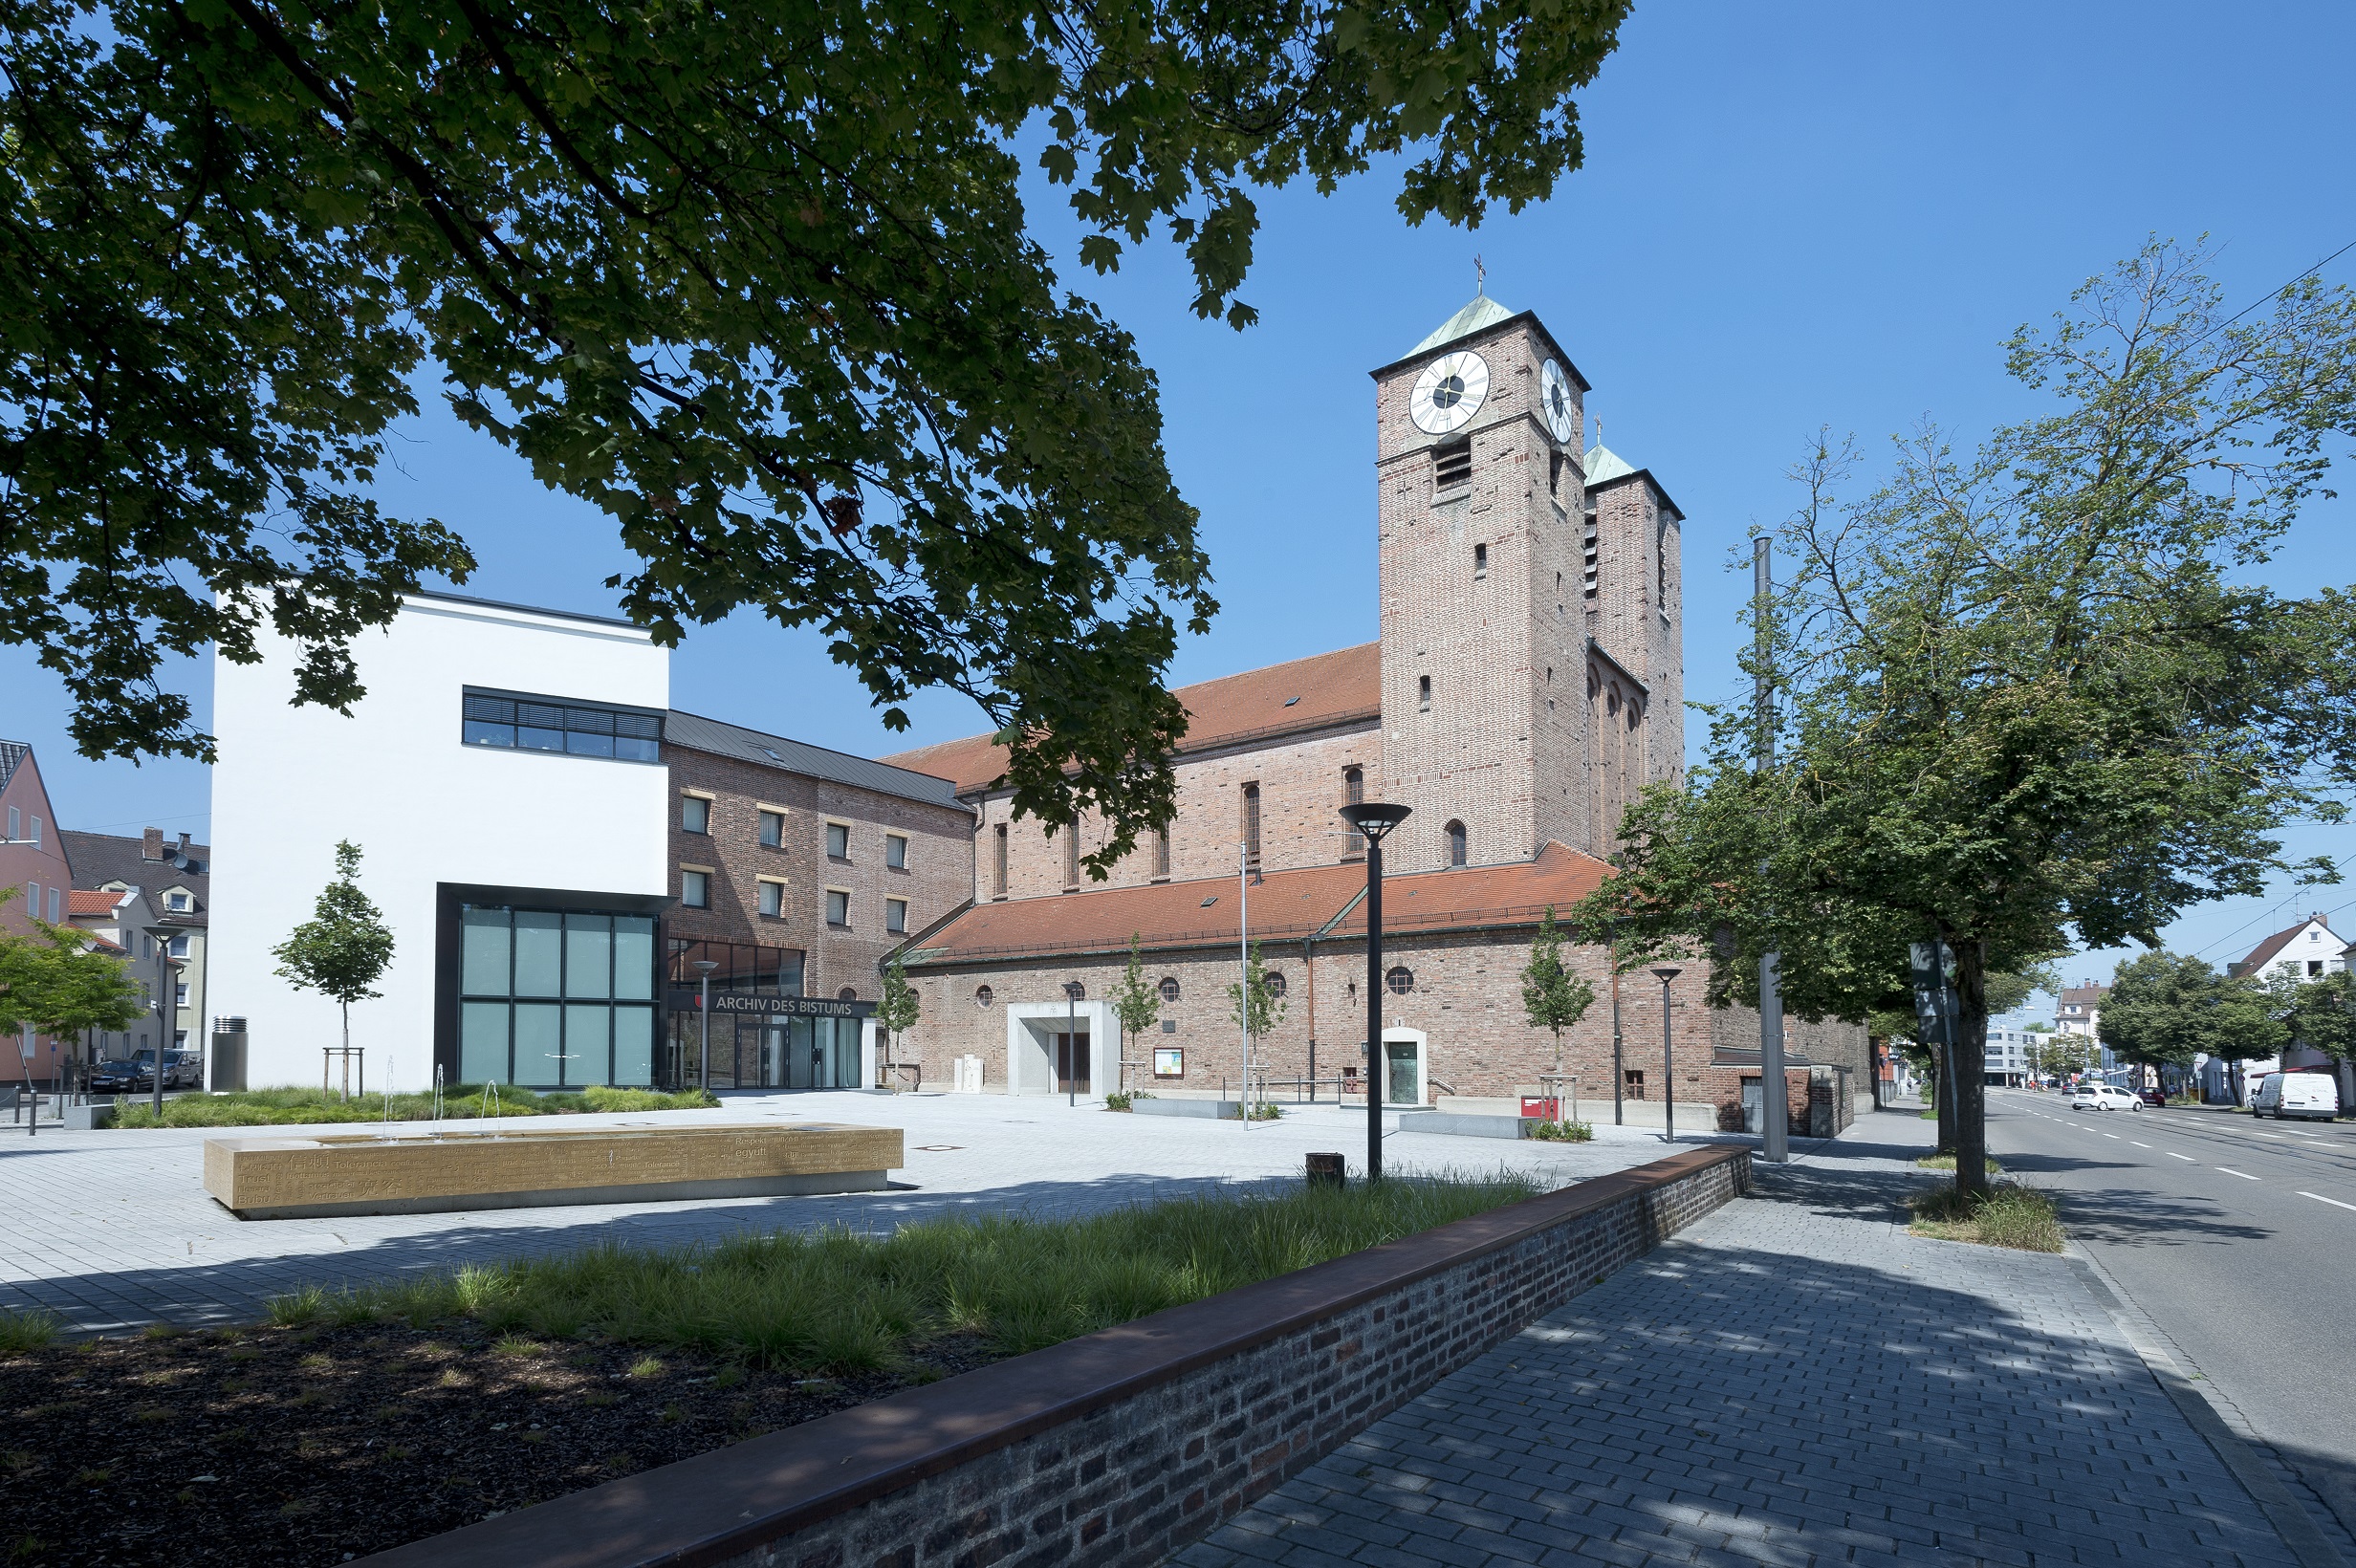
point(2152, 1097)
point(2310, 1095)
point(2104, 1097)
point(182, 1069)
point(121, 1077)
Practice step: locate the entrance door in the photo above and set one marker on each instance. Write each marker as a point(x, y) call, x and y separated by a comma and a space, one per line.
point(1404, 1073)
point(1754, 1106)
point(1071, 1062)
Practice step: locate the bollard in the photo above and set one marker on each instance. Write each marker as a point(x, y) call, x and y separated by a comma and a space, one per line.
point(1324, 1171)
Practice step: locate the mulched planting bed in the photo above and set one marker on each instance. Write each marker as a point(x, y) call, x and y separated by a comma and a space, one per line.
point(267, 1447)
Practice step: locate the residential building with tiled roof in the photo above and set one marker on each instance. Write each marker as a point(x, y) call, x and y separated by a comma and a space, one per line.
point(2305, 952)
point(35, 875)
point(175, 877)
point(1526, 685)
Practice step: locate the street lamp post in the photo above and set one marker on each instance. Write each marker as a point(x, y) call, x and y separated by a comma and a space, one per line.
point(703, 968)
point(168, 1009)
point(1071, 1043)
point(1374, 821)
point(1669, 1058)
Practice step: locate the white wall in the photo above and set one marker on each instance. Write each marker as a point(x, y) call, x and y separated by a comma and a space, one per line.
point(394, 779)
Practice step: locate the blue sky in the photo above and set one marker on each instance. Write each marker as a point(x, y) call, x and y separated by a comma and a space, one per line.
point(1790, 216)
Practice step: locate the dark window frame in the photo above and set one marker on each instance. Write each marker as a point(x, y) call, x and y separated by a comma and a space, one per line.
point(522, 721)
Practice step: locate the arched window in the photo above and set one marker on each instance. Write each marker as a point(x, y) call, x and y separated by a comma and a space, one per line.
point(1455, 843)
point(1401, 980)
point(1272, 981)
point(1252, 824)
point(1074, 991)
point(848, 994)
point(1170, 988)
point(1353, 793)
point(1071, 854)
point(983, 996)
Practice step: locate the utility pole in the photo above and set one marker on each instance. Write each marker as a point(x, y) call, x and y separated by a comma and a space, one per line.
point(1774, 1094)
point(1243, 958)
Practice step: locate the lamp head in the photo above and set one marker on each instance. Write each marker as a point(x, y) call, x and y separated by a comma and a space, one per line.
point(1668, 971)
point(1375, 818)
point(704, 966)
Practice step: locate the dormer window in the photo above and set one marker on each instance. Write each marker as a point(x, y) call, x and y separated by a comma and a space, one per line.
point(1451, 463)
point(175, 901)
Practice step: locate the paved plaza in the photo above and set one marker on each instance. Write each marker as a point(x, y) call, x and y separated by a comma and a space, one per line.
point(1794, 1380)
point(113, 1229)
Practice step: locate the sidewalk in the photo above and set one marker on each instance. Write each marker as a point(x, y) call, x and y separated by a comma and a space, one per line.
point(1794, 1380)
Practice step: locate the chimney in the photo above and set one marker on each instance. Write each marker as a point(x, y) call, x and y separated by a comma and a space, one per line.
point(151, 844)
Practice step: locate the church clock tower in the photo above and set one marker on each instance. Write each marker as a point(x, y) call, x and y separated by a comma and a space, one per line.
point(1481, 521)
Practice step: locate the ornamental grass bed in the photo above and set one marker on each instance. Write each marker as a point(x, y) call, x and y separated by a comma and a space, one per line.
point(358, 1420)
point(467, 1103)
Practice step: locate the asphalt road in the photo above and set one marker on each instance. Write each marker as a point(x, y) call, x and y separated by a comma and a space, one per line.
point(2236, 1235)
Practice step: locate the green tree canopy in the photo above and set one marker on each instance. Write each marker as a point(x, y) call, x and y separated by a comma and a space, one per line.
point(896, 1013)
point(2033, 693)
point(341, 950)
point(1252, 1003)
point(1136, 1003)
point(2165, 1009)
point(2320, 1013)
point(55, 982)
point(757, 279)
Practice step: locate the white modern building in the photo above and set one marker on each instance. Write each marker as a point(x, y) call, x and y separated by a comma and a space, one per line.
point(2012, 1057)
point(503, 779)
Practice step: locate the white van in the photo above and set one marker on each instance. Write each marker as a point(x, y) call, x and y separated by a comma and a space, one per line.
point(2315, 1095)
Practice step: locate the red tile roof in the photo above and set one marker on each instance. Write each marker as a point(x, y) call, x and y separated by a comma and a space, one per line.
point(84, 901)
point(1286, 906)
point(1470, 897)
point(1311, 693)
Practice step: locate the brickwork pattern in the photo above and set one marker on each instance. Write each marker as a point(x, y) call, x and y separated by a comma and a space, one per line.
point(1301, 789)
point(1143, 1475)
point(939, 858)
point(1497, 749)
point(1466, 998)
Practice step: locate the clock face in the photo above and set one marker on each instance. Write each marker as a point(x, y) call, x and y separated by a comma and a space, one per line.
point(1554, 391)
point(1449, 393)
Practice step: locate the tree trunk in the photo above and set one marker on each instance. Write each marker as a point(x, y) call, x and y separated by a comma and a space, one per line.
point(347, 1048)
point(1970, 1051)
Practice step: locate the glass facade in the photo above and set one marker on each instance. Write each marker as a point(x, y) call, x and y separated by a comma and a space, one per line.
point(751, 1048)
point(556, 1000)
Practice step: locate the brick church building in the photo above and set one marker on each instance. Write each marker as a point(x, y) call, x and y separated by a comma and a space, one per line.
point(1528, 681)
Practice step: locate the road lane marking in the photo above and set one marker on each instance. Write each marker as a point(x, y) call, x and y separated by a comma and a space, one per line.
point(2243, 1174)
point(2188, 1159)
point(2112, 1136)
point(2139, 1146)
point(2334, 1202)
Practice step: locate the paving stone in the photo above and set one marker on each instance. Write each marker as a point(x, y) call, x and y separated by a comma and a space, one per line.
point(1796, 1380)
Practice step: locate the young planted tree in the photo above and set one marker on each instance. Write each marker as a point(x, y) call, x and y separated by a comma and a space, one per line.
point(757, 280)
point(896, 1013)
point(341, 950)
point(1553, 998)
point(1256, 1006)
point(1136, 1004)
point(2036, 691)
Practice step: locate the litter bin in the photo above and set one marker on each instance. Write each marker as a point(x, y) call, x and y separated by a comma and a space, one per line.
point(229, 1056)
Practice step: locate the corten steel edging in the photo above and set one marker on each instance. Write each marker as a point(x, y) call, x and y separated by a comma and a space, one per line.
point(721, 1505)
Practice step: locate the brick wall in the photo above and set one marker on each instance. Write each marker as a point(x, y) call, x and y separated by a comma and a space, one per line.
point(1466, 998)
point(1119, 1447)
point(938, 873)
point(1301, 789)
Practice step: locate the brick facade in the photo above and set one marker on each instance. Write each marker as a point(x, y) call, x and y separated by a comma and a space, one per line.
point(1465, 999)
point(936, 879)
point(1118, 1449)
